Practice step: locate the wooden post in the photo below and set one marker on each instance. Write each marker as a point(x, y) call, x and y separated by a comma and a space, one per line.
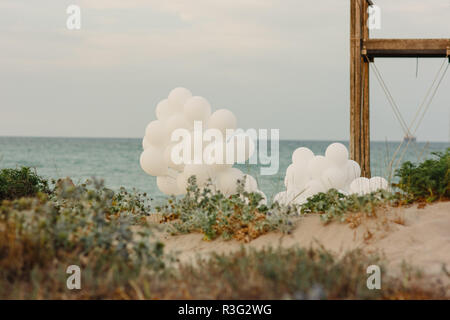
point(359, 87)
point(365, 132)
point(355, 80)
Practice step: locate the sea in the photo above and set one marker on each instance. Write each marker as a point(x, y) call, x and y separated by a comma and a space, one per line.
point(116, 160)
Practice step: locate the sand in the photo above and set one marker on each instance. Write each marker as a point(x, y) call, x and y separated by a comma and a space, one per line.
point(418, 236)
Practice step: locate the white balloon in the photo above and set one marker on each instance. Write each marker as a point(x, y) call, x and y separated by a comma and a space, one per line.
point(163, 110)
point(302, 155)
point(334, 178)
point(264, 198)
point(241, 146)
point(250, 184)
point(297, 176)
point(289, 176)
point(145, 144)
point(337, 153)
point(171, 173)
point(301, 199)
point(221, 167)
point(168, 157)
point(280, 198)
point(177, 121)
point(317, 166)
point(222, 119)
point(214, 153)
point(313, 187)
point(378, 183)
point(344, 192)
point(286, 182)
point(182, 183)
point(294, 194)
point(189, 150)
point(360, 186)
point(197, 109)
point(228, 179)
point(215, 156)
point(177, 99)
point(353, 170)
point(152, 161)
point(167, 185)
point(156, 133)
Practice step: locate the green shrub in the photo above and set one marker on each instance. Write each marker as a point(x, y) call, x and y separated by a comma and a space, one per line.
point(334, 205)
point(23, 182)
point(428, 181)
point(241, 216)
point(103, 232)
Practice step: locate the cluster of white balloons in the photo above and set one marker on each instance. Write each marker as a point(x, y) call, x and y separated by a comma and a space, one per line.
point(180, 110)
point(310, 174)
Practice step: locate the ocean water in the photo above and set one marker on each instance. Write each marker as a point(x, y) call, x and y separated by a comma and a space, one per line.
point(117, 160)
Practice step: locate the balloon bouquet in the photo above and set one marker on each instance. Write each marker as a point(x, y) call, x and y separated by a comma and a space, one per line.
point(181, 110)
point(310, 174)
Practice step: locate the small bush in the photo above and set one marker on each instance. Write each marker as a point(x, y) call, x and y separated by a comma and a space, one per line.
point(334, 205)
point(23, 182)
point(103, 232)
point(428, 181)
point(241, 216)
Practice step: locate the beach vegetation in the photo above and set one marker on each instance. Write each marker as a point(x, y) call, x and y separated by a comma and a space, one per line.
point(335, 206)
point(90, 226)
point(106, 234)
point(242, 216)
point(289, 273)
point(427, 181)
point(21, 182)
point(424, 182)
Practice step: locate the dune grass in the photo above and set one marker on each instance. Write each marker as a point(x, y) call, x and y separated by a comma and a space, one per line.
point(243, 216)
point(86, 225)
point(106, 233)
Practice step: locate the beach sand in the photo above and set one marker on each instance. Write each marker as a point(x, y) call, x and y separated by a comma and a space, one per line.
point(417, 236)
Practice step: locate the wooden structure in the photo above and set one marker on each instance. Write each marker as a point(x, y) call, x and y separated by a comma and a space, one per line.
point(363, 50)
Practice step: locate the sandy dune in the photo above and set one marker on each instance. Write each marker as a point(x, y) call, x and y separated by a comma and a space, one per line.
point(420, 237)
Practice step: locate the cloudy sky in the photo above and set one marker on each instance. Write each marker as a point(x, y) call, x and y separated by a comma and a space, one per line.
point(275, 63)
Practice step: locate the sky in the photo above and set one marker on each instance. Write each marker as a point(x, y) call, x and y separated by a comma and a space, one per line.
point(277, 64)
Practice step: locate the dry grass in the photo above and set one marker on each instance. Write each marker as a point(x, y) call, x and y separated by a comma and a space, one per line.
point(246, 274)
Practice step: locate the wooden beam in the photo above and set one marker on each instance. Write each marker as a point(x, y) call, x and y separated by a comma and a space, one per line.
point(406, 48)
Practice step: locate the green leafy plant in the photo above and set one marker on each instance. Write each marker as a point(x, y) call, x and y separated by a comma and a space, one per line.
point(428, 181)
point(334, 205)
point(23, 182)
point(241, 216)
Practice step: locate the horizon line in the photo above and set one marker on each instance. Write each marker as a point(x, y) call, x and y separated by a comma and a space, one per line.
point(286, 139)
